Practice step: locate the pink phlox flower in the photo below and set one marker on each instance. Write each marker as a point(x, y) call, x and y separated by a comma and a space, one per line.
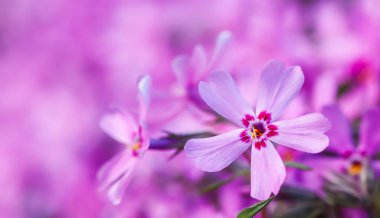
point(122, 126)
point(190, 70)
point(355, 159)
point(259, 129)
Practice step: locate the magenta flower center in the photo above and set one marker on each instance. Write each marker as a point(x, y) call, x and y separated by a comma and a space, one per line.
point(258, 130)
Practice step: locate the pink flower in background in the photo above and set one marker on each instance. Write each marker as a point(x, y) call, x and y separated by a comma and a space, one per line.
point(190, 70)
point(115, 175)
point(259, 129)
point(354, 160)
point(185, 104)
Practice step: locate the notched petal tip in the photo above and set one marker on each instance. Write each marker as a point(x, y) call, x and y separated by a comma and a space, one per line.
point(278, 86)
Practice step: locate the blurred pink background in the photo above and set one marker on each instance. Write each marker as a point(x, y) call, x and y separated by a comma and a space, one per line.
point(65, 63)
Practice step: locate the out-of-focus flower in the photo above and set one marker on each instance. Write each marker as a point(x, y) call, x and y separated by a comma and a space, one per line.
point(190, 70)
point(183, 103)
point(354, 158)
point(355, 163)
point(115, 175)
point(359, 88)
point(278, 86)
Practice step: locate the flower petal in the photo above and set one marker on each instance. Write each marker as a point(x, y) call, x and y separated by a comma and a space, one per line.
point(215, 153)
point(267, 172)
point(144, 85)
point(322, 166)
point(324, 91)
point(222, 42)
point(376, 168)
point(119, 125)
point(304, 133)
point(278, 86)
point(115, 175)
point(181, 68)
point(223, 96)
point(370, 132)
point(198, 63)
point(340, 132)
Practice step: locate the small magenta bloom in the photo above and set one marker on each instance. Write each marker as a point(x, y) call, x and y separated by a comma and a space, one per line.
point(122, 126)
point(259, 129)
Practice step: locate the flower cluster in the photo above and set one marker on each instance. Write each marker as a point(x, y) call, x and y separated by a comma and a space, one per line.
point(166, 109)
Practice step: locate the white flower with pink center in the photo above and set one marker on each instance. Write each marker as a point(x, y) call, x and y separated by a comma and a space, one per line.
point(278, 86)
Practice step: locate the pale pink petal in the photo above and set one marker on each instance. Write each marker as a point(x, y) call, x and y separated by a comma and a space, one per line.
point(198, 63)
point(324, 91)
point(222, 42)
point(115, 175)
point(145, 141)
point(215, 153)
point(223, 96)
point(267, 172)
point(340, 132)
point(305, 133)
point(119, 125)
point(181, 68)
point(278, 86)
point(144, 85)
point(370, 132)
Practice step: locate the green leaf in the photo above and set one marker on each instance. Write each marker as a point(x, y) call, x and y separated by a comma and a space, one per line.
point(376, 199)
point(344, 88)
point(216, 185)
point(289, 192)
point(304, 210)
point(297, 165)
point(220, 183)
point(251, 211)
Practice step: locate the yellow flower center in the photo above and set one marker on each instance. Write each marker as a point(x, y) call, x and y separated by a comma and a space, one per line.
point(136, 146)
point(355, 168)
point(256, 133)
